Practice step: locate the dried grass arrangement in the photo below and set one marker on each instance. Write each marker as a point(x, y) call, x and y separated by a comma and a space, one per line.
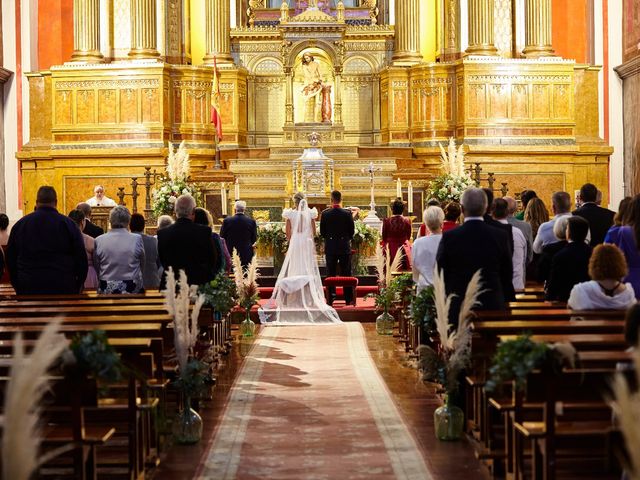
point(452, 159)
point(385, 268)
point(27, 384)
point(246, 281)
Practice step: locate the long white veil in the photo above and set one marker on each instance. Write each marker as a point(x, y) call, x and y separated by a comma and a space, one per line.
point(298, 297)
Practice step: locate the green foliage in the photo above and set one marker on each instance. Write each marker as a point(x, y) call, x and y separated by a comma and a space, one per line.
point(385, 298)
point(193, 380)
point(515, 359)
point(403, 285)
point(274, 235)
point(365, 236)
point(423, 309)
point(220, 293)
point(95, 357)
point(448, 187)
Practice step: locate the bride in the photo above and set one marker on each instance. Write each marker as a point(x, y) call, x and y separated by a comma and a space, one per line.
point(298, 297)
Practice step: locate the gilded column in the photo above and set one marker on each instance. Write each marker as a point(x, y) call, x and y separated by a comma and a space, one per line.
point(407, 48)
point(218, 32)
point(481, 28)
point(538, 29)
point(144, 40)
point(86, 31)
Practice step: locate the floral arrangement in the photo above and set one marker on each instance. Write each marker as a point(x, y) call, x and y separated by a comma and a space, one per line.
point(220, 294)
point(365, 238)
point(272, 236)
point(174, 182)
point(445, 363)
point(246, 281)
point(385, 267)
point(93, 356)
point(449, 185)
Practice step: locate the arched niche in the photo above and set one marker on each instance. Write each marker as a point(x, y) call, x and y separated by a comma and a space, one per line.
point(327, 75)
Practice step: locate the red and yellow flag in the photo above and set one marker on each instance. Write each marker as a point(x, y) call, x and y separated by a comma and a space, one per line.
point(215, 101)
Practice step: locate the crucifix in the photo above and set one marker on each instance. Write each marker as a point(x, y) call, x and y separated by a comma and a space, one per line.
point(372, 219)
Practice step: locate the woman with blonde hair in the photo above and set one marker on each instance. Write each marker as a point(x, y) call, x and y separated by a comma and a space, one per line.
point(536, 214)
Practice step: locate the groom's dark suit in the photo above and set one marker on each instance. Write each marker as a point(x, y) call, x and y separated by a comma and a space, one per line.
point(240, 232)
point(337, 229)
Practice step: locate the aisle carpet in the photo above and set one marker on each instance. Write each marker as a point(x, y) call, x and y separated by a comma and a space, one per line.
point(309, 403)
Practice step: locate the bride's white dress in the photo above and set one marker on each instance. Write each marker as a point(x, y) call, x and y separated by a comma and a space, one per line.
point(298, 296)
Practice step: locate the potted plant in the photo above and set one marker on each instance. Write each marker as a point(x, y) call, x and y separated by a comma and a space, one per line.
point(248, 294)
point(387, 294)
point(423, 310)
point(192, 372)
point(91, 355)
point(445, 362)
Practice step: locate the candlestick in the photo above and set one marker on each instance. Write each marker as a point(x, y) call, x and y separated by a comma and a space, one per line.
point(398, 188)
point(223, 198)
point(410, 195)
point(237, 189)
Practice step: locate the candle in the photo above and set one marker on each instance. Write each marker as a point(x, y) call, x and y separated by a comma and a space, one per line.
point(237, 188)
point(410, 195)
point(223, 198)
point(398, 188)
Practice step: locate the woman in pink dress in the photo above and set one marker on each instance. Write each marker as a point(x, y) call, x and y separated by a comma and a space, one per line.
point(91, 282)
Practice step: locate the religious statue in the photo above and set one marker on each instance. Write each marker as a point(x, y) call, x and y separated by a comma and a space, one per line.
point(284, 12)
point(314, 91)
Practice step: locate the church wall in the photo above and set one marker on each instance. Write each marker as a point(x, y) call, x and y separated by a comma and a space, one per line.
point(55, 32)
point(571, 29)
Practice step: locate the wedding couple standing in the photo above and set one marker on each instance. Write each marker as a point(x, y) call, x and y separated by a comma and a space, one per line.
point(298, 296)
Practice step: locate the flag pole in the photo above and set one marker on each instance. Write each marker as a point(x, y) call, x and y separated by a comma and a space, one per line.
point(216, 149)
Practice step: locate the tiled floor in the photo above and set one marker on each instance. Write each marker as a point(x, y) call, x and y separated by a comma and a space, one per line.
point(415, 401)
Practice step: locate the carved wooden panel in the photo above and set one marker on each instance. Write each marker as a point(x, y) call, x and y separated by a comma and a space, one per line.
point(129, 105)
point(399, 106)
point(541, 102)
point(63, 107)
point(561, 101)
point(107, 106)
point(519, 101)
point(85, 106)
point(478, 101)
point(498, 101)
point(150, 105)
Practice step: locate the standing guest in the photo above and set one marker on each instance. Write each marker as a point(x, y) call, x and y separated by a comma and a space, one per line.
point(599, 219)
point(489, 220)
point(423, 230)
point(519, 257)
point(45, 253)
point(536, 214)
point(571, 264)
point(626, 240)
point(337, 229)
point(90, 228)
point(525, 197)
point(561, 206)
point(164, 221)
point(119, 256)
point(521, 225)
point(396, 232)
point(187, 246)
point(549, 251)
point(425, 248)
point(452, 214)
point(619, 220)
point(91, 282)
point(203, 217)
point(4, 238)
point(151, 269)
point(99, 199)
point(605, 290)
point(476, 246)
point(240, 233)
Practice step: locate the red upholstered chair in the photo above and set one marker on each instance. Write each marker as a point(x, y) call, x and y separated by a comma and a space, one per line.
point(341, 282)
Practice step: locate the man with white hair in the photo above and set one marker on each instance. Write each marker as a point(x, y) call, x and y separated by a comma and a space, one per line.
point(240, 233)
point(99, 199)
point(476, 246)
point(187, 246)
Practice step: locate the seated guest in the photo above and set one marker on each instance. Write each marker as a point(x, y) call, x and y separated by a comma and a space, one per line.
point(525, 198)
point(396, 231)
point(184, 245)
point(605, 290)
point(600, 219)
point(164, 221)
point(474, 246)
point(90, 228)
point(91, 282)
point(99, 199)
point(549, 251)
point(203, 217)
point(571, 264)
point(619, 220)
point(150, 272)
point(519, 257)
point(119, 256)
point(625, 240)
point(423, 230)
point(425, 248)
point(45, 253)
point(452, 213)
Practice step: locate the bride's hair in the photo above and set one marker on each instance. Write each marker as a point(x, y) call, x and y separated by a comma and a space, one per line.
point(298, 197)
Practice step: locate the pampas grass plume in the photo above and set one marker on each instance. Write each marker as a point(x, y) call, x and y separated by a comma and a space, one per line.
point(27, 384)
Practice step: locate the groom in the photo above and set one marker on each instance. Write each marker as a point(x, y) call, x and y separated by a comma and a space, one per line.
point(337, 229)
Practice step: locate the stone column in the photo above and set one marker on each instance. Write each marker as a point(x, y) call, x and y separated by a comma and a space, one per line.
point(481, 28)
point(407, 48)
point(144, 39)
point(86, 31)
point(538, 29)
point(218, 31)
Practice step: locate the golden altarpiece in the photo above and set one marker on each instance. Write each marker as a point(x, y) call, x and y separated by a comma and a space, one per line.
point(334, 68)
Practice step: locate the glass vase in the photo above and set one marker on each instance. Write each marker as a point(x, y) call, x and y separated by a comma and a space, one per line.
point(247, 327)
point(448, 421)
point(187, 426)
point(385, 323)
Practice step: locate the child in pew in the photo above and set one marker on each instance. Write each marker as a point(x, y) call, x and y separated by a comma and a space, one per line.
point(605, 290)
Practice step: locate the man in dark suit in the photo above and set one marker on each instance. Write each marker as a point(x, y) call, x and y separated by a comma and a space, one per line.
point(240, 233)
point(337, 229)
point(187, 246)
point(45, 252)
point(489, 220)
point(476, 246)
point(600, 219)
point(90, 228)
